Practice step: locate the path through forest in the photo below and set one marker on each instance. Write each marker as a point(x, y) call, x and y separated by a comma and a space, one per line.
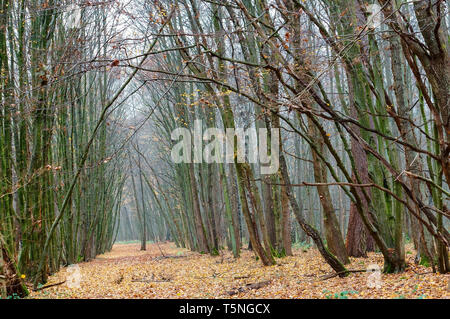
point(127, 272)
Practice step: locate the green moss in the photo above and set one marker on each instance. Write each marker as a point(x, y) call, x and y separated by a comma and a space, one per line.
point(278, 253)
point(339, 295)
point(424, 261)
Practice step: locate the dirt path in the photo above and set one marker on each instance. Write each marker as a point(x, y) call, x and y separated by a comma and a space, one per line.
point(127, 272)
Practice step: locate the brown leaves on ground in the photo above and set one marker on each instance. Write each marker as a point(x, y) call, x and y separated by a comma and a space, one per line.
point(127, 272)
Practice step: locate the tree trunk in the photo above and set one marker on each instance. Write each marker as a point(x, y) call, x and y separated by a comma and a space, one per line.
point(308, 229)
point(199, 227)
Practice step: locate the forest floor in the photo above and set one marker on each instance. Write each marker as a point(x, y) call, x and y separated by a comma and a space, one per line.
point(127, 272)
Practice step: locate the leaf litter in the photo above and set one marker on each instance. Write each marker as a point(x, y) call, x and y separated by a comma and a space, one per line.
point(128, 272)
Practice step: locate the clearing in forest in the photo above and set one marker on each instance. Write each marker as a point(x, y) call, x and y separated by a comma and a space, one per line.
point(127, 272)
